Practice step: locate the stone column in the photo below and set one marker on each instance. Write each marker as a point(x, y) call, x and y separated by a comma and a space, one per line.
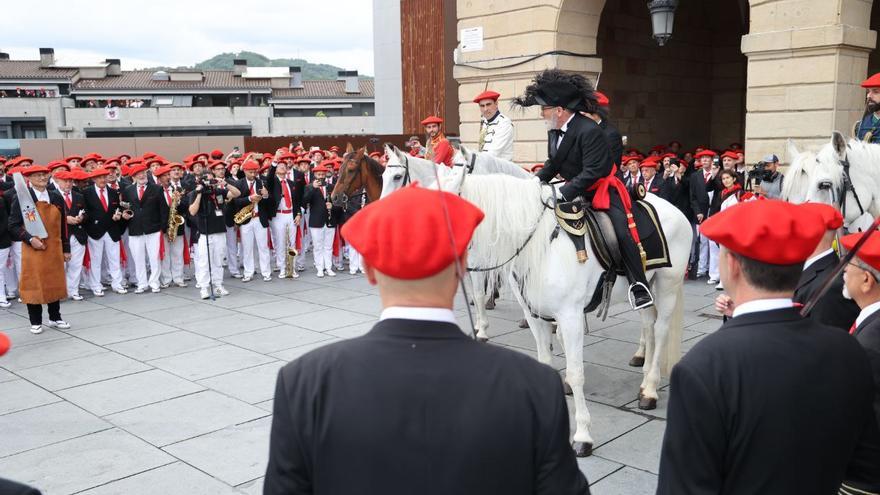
point(806, 59)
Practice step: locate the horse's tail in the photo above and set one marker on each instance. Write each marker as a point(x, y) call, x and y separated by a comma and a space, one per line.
point(673, 336)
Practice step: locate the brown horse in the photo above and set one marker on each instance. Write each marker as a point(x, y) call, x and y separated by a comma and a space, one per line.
point(358, 171)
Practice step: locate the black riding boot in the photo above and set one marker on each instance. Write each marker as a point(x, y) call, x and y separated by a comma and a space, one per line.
point(639, 295)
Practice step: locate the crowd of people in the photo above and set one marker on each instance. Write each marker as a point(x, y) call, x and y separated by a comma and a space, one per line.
point(245, 215)
point(27, 93)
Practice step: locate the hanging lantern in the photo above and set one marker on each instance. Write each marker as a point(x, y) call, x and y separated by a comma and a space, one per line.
point(662, 17)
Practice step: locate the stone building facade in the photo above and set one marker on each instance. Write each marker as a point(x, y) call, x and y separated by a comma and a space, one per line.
point(755, 72)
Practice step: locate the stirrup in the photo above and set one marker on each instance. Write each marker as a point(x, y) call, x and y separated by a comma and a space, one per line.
point(632, 302)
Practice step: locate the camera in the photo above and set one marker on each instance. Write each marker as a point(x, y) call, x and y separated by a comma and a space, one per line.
point(209, 183)
point(760, 173)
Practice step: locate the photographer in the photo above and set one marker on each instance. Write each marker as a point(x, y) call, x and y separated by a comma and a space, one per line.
point(766, 180)
point(206, 207)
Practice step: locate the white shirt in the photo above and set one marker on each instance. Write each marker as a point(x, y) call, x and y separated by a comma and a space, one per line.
point(444, 315)
point(866, 312)
point(759, 305)
point(42, 195)
point(817, 257)
point(564, 129)
point(498, 139)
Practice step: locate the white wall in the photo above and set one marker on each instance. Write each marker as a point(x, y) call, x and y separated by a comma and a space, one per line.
point(326, 126)
point(48, 108)
point(257, 118)
point(387, 62)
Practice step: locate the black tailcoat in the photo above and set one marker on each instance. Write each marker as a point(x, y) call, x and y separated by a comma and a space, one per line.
point(868, 334)
point(101, 222)
point(583, 157)
point(147, 210)
point(833, 309)
point(417, 407)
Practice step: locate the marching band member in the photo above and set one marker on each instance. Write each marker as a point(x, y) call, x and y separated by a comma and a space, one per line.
point(439, 149)
point(206, 208)
point(76, 210)
point(304, 166)
point(286, 200)
point(233, 246)
point(322, 219)
point(496, 130)
point(42, 276)
point(172, 259)
point(254, 230)
point(104, 228)
point(5, 245)
point(144, 228)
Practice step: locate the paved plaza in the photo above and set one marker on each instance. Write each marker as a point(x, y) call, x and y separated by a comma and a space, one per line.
point(169, 394)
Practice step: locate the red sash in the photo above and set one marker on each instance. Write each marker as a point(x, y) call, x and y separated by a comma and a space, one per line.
point(602, 198)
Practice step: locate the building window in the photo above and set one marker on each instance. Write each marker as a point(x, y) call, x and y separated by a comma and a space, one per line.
point(163, 101)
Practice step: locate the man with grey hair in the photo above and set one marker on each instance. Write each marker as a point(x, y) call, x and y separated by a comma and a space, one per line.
point(769, 182)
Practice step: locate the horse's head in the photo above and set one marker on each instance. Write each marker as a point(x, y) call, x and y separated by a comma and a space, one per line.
point(451, 180)
point(397, 173)
point(352, 177)
point(815, 177)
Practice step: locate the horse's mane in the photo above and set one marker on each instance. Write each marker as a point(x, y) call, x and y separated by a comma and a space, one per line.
point(513, 208)
point(374, 166)
point(495, 165)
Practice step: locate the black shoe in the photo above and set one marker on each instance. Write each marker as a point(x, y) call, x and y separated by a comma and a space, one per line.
point(640, 297)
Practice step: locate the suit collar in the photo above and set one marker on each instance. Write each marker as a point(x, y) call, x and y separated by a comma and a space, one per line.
point(571, 129)
point(815, 269)
point(868, 315)
point(417, 329)
point(783, 315)
point(822, 259)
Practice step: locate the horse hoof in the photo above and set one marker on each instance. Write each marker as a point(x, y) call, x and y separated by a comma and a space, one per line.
point(490, 304)
point(523, 323)
point(582, 449)
point(647, 404)
point(482, 339)
point(637, 361)
point(567, 388)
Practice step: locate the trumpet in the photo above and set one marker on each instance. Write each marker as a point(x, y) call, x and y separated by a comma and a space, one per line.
point(175, 219)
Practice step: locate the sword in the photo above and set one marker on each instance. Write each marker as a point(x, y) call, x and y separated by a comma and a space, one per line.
point(811, 303)
point(33, 224)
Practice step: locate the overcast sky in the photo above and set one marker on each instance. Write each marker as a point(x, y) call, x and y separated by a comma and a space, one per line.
point(184, 32)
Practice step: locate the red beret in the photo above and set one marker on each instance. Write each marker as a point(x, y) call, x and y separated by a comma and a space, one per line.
point(5, 343)
point(149, 155)
point(730, 154)
point(320, 168)
point(432, 120)
point(485, 95)
point(265, 167)
point(34, 169)
point(199, 156)
point(217, 163)
point(303, 159)
point(406, 235)
point(215, 154)
point(630, 158)
point(173, 165)
point(125, 156)
point(651, 161)
point(870, 250)
point(772, 231)
point(73, 157)
point(136, 169)
point(58, 164)
point(149, 162)
point(832, 218)
point(164, 169)
point(287, 155)
point(709, 153)
point(334, 148)
point(79, 174)
point(602, 100)
point(872, 82)
point(248, 165)
point(114, 163)
point(92, 156)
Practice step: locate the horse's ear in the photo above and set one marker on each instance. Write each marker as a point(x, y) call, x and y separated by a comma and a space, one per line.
point(349, 148)
point(838, 142)
point(793, 151)
point(400, 154)
point(361, 152)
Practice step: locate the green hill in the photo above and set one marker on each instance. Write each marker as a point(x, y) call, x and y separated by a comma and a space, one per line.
point(223, 61)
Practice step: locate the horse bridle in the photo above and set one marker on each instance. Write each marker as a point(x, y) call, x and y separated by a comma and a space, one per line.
point(355, 174)
point(847, 187)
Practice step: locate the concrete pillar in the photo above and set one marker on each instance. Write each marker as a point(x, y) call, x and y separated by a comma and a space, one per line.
point(806, 59)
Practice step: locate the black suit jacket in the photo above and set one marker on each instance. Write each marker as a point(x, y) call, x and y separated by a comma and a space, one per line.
point(771, 403)
point(698, 195)
point(404, 397)
point(100, 221)
point(147, 210)
point(615, 140)
point(77, 204)
point(16, 222)
point(314, 200)
point(868, 334)
point(265, 210)
point(296, 186)
point(833, 309)
point(9, 487)
point(583, 157)
point(5, 236)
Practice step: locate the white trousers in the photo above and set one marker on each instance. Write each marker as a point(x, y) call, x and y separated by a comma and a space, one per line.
point(73, 268)
point(172, 263)
point(100, 249)
point(130, 269)
point(218, 251)
point(703, 266)
point(233, 260)
point(4, 257)
point(714, 253)
point(283, 234)
point(14, 267)
point(145, 248)
point(253, 233)
point(354, 260)
point(322, 247)
point(306, 232)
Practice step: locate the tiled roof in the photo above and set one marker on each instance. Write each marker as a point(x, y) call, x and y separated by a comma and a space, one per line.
point(326, 89)
point(30, 69)
point(142, 79)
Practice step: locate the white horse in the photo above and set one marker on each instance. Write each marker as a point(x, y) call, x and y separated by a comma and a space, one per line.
point(819, 177)
point(552, 284)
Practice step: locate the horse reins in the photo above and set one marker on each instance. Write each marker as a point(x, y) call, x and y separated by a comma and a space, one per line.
point(848, 187)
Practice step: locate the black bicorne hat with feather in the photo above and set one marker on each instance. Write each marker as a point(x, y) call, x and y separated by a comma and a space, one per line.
point(556, 88)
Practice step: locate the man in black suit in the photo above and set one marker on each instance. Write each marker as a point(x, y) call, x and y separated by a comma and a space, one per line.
point(771, 402)
point(700, 187)
point(832, 308)
point(602, 117)
point(76, 218)
point(579, 151)
point(862, 279)
point(144, 228)
point(104, 227)
point(253, 230)
point(403, 396)
point(286, 199)
point(323, 218)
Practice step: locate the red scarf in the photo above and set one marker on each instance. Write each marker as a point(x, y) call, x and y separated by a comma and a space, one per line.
point(734, 189)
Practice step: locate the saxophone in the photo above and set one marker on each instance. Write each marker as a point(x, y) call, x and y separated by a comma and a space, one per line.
point(175, 219)
point(291, 251)
point(245, 213)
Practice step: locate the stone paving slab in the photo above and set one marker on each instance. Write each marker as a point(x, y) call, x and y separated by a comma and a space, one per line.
point(156, 391)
